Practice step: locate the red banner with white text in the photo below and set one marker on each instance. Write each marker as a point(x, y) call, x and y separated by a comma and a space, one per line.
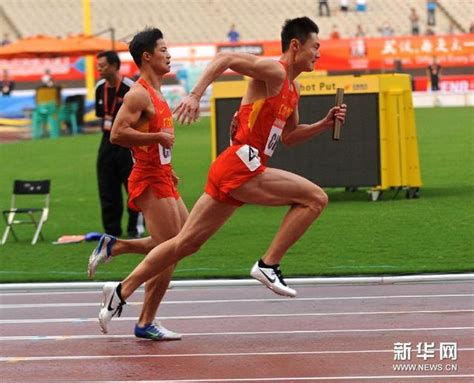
point(378, 53)
point(382, 53)
point(355, 54)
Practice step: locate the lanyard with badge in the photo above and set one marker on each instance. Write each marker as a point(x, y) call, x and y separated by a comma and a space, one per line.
point(109, 117)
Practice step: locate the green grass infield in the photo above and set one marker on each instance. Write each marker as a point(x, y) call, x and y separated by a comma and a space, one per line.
point(353, 236)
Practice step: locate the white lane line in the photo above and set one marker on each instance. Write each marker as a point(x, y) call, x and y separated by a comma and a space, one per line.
point(240, 333)
point(86, 292)
point(305, 378)
point(433, 279)
point(203, 355)
point(179, 290)
point(228, 316)
point(218, 301)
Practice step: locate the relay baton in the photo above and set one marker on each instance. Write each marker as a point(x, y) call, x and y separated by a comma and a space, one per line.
point(336, 133)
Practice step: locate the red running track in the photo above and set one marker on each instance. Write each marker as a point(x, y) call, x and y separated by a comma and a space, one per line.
point(247, 334)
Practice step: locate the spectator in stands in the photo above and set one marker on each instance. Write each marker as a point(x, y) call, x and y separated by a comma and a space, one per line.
point(471, 28)
point(429, 32)
point(398, 66)
point(361, 5)
point(344, 5)
point(335, 35)
point(386, 30)
point(6, 40)
point(359, 31)
point(431, 8)
point(323, 4)
point(7, 83)
point(434, 71)
point(414, 22)
point(114, 162)
point(47, 79)
point(233, 35)
point(451, 28)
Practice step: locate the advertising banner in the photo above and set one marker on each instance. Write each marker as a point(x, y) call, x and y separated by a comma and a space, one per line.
point(357, 54)
point(461, 84)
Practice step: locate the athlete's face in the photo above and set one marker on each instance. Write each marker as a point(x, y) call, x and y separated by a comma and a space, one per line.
point(161, 58)
point(308, 53)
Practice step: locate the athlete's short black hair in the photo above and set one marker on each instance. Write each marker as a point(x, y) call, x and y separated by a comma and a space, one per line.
point(111, 57)
point(144, 41)
point(299, 28)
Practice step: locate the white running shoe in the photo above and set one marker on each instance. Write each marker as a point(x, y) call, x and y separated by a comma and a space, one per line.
point(156, 331)
point(273, 279)
point(101, 254)
point(111, 305)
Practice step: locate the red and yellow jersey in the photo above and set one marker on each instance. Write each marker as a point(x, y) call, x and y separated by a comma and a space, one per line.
point(260, 124)
point(154, 158)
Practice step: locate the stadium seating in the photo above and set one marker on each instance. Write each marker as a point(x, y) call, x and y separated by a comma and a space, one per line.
point(5, 26)
point(185, 21)
point(461, 10)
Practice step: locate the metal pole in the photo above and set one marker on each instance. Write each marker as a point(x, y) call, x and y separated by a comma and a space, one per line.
point(112, 33)
point(90, 80)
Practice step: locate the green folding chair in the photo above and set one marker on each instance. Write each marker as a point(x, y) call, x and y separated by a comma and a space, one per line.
point(68, 115)
point(45, 114)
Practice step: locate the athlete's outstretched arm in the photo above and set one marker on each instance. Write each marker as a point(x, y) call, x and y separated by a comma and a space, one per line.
point(123, 133)
point(266, 70)
point(295, 133)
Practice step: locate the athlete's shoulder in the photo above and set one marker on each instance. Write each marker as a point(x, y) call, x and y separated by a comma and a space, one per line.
point(277, 66)
point(136, 91)
point(270, 71)
point(137, 97)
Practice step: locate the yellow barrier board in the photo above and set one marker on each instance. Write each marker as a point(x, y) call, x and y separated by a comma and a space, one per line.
point(399, 158)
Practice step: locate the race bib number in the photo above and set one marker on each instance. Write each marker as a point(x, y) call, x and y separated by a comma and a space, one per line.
point(165, 155)
point(249, 157)
point(274, 137)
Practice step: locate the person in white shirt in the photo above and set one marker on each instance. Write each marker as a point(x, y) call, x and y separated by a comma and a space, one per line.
point(344, 5)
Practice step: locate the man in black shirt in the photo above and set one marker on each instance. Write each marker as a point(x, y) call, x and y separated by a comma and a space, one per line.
point(324, 4)
point(7, 84)
point(434, 71)
point(114, 163)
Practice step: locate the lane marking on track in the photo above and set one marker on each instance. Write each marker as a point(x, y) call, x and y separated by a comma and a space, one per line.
point(219, 301)
point(233, 333)
point(204, 355)
point(175, 290)
point(228, 316)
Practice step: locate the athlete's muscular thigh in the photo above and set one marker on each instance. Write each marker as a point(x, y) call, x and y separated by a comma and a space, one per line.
point(276, 187)
point(162, 216)
point(206, 217)
point(182, 211)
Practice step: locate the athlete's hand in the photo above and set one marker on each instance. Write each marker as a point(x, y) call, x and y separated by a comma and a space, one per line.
point(175, 178)
point(188, 109)
point(337, 112)
point(166, 139)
